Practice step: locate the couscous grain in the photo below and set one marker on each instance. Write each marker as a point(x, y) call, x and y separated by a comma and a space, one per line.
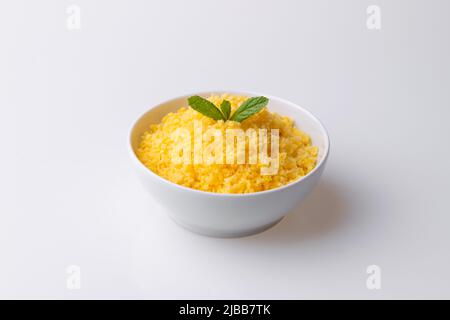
point(297, 156)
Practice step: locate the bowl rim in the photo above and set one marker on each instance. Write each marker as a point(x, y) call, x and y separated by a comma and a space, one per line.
point(203, 93)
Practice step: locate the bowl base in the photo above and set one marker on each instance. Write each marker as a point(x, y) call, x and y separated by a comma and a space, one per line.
point(224, 234)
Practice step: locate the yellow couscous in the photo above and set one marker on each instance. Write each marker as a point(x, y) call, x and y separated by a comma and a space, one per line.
point(297, 156)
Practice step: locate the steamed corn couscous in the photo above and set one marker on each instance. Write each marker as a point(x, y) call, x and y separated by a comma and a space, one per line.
point(296, 158)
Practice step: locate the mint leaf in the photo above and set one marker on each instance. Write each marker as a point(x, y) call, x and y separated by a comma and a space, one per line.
point(249, 108)
point(205, 107)
point(226, 109)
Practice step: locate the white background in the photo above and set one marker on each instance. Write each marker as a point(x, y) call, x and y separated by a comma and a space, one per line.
point(69, 196)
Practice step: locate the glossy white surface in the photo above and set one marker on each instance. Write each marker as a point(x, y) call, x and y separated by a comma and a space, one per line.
point(69, 195)
point(225, 215)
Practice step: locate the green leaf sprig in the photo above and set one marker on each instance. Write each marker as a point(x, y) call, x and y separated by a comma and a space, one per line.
point(248, 108)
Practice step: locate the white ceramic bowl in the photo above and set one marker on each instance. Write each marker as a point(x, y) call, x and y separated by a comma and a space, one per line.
point(230, 215)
